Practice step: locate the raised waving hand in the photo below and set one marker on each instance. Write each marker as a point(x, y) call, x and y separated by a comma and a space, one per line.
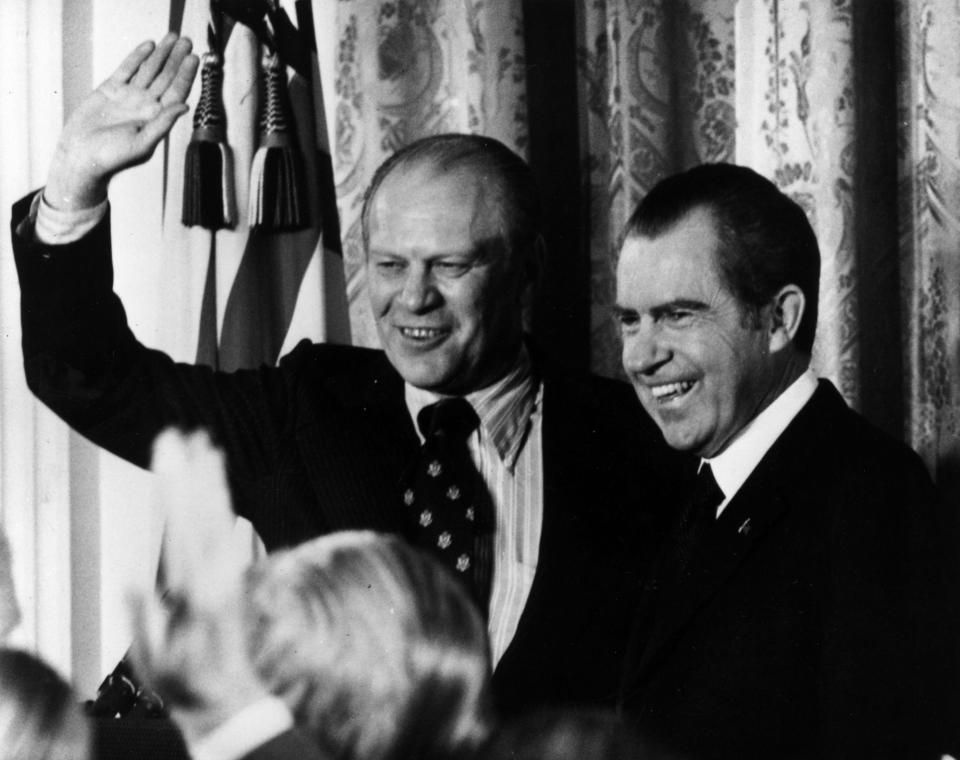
point(192, 646)
point(121, 122)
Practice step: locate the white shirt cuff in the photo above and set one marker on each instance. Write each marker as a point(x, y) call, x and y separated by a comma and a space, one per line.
point(55, 227)
point(246, 730)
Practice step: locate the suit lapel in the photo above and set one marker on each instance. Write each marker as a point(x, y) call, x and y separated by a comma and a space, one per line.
point(555, 459)
point(759, 504)
point(559, 583)
point(742, 526)
point(356, 473)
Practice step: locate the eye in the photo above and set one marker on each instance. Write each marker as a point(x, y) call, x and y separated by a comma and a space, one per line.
point(389, 266)
point(677, 316)
point(626, 320)
point(449, 268)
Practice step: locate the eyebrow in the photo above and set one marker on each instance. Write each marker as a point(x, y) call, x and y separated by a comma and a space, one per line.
point(679, 304)
point(475, 255)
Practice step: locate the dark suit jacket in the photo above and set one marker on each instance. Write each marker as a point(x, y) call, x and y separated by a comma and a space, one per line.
point(320, 443)
point(816, 625)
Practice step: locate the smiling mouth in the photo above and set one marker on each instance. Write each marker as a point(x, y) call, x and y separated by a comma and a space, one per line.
point(671, 391)
point(422, 333)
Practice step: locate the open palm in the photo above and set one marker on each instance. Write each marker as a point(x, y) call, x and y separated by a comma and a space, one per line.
point(121, 122)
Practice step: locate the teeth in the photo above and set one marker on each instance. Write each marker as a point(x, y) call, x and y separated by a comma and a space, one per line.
point(669, 390)
point(420, 333)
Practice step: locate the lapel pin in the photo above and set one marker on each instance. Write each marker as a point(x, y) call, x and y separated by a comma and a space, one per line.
point(744, 530)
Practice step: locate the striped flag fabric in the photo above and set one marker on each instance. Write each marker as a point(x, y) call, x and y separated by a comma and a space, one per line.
point(250, 293)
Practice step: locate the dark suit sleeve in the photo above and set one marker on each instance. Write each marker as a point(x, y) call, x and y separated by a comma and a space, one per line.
point(82, 360)
point(290, 745)
point(888, 633)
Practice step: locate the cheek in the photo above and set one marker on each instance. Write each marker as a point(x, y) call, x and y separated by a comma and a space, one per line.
point(470, 306)
point(378, 293)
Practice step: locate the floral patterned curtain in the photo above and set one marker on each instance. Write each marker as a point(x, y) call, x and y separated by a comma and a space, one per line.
point(929, 182)
point(411, 68)
point(853, 111)
point(657, 83)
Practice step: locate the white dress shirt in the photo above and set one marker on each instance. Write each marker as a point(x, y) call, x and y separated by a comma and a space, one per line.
point(507, 450)
point(733, 465)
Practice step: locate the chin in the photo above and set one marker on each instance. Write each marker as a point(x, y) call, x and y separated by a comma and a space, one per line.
point(428, 379)
point(681, 442)
point(423, 381)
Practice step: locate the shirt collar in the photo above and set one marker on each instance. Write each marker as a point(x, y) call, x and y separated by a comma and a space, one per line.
point(733, 465)
point(504, 408)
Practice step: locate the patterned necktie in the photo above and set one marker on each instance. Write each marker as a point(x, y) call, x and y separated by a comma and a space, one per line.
point(447, 499)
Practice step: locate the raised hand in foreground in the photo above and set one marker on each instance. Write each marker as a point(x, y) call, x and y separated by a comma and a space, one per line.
point(191, 646)
point(121, 122)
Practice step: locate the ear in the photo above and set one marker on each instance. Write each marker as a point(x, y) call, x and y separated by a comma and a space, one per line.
point(786, 311)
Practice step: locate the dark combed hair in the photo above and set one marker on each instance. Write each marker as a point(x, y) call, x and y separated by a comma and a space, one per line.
point(494, 162)
point(766, 240)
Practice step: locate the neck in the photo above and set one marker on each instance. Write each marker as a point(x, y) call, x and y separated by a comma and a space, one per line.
point(781, 378)
point(794, 366)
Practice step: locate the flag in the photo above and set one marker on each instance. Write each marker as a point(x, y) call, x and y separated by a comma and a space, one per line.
point(260, 291)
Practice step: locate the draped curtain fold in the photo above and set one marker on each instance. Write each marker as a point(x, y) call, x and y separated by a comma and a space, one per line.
point(657, 82)
point(928, 69)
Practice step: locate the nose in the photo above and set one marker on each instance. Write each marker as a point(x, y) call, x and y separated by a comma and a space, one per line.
point(419, 292)
point(644, 349)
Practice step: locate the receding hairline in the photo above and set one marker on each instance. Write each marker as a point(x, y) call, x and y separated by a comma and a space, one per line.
point(490, 197)
point(634, 232)
point(514, 197)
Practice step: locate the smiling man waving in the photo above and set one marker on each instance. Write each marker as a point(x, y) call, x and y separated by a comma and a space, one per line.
point(538, 489)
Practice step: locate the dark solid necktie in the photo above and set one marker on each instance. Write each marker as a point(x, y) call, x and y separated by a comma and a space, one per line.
point(699, 517)
point(447, 500)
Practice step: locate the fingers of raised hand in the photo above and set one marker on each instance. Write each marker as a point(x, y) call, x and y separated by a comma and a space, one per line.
point(132, 62)
point(153, 64)
point(192, 491)
point(179, 87)
point(193, 477)
point(164, 70)
point(162, 85)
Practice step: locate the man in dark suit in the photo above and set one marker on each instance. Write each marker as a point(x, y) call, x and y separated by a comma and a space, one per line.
point(573, 466)
point(799, 608)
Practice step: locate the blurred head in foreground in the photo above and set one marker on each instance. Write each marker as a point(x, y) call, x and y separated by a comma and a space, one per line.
point(40, 716)
point(376, 649)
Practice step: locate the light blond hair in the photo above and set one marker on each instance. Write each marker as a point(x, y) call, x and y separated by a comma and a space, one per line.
point(376, 648)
